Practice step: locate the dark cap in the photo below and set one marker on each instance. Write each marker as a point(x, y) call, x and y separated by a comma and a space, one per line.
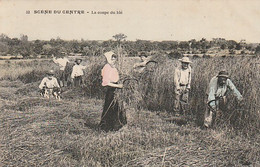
point(50, 72)
point(223, 74)
point(143, 54)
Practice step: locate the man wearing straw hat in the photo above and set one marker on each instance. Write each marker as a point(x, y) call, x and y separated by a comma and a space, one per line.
point(218, 87)
point(182, 81)
point(77, 72)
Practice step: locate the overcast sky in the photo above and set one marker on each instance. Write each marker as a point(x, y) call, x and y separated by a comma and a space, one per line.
point(149, 19)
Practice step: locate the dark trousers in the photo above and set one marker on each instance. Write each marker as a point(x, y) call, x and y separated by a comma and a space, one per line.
point(181, 103)
point(78, 81)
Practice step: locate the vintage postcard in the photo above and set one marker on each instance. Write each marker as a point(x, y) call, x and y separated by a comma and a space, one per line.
point(129, 83)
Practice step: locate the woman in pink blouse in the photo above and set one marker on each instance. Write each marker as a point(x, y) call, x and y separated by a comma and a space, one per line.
point(113, 117)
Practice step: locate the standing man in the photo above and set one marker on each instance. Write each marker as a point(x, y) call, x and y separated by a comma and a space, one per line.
point(62, 62)
point(77, 73)
point(218, 88)
point(182, 80)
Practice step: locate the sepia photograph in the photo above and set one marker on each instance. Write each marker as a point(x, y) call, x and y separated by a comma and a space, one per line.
point(129, 83)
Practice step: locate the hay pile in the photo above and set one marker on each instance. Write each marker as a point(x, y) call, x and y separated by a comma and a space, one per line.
point(157, 86)
point(130, 96)
point(93, 79)
point(33, 76)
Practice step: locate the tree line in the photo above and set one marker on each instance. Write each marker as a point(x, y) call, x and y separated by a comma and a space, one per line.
point(26, 48)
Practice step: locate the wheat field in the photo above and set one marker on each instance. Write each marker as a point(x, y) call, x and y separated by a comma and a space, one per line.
point(40, 132)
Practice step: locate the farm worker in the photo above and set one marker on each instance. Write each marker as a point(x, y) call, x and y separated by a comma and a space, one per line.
point(77, 72)
point(182, 81)
point(62, 62)
point(49, 81)
point(218, 87)
point(140, 66)
point(113, 117)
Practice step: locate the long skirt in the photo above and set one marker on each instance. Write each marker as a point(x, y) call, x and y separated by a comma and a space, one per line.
point(113, 117)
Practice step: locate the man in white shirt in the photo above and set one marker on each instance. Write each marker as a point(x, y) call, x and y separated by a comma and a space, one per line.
point(62, 63)
point(219, 86)
point(77, 73)
point(182, 81)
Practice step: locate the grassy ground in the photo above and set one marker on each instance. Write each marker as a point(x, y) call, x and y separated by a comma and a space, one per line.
point(40, 132)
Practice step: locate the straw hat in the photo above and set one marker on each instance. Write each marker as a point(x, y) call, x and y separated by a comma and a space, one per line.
point(223, 74)
point(185, 60)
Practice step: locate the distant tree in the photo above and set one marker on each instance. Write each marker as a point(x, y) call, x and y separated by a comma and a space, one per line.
point(3, 47)
point(249, 47)
point(47, 49)
point(194, 44)
point(23, 38)
point(38, 47)
point(174, 45)
point(204, 44)
point(231, 47)
point(231, 51)
point(231, 44)
point(238, 46)
point(184, 45)
point(164, 45)
point(141, 45)
point(223, 46)
point(257, 50)
point(174, 55)
point(4, 38)
point(119, 37)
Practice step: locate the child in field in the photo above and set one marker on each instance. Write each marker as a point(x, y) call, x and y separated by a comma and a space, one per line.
point(49, 82)
point(77, 73)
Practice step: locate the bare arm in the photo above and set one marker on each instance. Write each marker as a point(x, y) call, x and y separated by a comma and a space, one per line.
point(115, 85)
point(189, 78)
point(212, 91)
point(42, 83)
point(73, 72)
point(56, 83)
point(234, 90)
